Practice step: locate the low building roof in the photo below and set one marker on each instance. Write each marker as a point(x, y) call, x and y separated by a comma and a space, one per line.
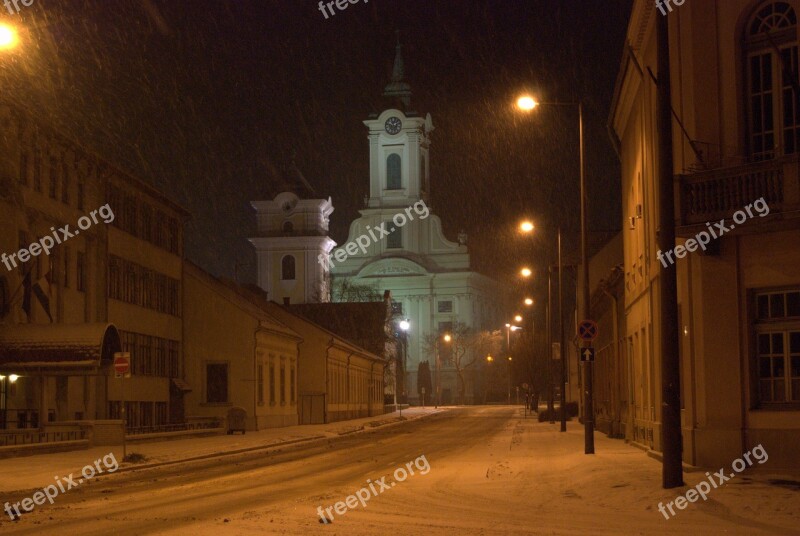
point(27, 346)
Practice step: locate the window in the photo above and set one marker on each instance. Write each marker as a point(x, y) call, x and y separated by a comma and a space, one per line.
point(288, 228)
point(260, 384)
point(216, 383)
point(272, 383)
point(80, 271)
point(283, 384)
point(287, 268)
point(53, 190)
point(393, 168)
point(23, 168)
point(64, 183)
point(23, 244)
point(5, 302)
point(445, 306)
point(80, 195)
point(66, 267)
point(395, 238)
point(146, 223)
point(37, 171)
point(291, 384)
point(397, 307)
point(772, 64)
point(778, 347)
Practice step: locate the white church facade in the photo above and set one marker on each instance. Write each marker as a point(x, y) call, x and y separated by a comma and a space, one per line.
point(429, 276)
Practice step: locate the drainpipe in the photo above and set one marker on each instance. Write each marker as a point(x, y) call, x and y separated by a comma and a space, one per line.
point(328, 398)
point(255, 374)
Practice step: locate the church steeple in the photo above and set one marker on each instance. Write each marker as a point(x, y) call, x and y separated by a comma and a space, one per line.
point(398, 88)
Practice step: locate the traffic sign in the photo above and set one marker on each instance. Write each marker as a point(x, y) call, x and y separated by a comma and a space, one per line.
point(587, 330)
point(587, 354)
point(122, 364)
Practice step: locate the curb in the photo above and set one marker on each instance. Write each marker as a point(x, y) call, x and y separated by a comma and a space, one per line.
point(363, 428)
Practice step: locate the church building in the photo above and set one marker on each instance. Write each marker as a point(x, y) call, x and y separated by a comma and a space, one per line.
point(429, 276)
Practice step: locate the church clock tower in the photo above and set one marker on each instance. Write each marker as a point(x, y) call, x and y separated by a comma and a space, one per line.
point(399, 140)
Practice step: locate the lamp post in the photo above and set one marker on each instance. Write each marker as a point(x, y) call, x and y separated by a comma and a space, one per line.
point(528, 103)
point(446, 338)
point(404, 326)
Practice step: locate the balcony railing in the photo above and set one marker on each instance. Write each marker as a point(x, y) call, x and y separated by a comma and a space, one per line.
point(712, 195)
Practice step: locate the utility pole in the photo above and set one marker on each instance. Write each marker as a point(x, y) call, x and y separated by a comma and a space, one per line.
point(672, 470)
point(588, 417)
point(562, 348)
point(549, 360)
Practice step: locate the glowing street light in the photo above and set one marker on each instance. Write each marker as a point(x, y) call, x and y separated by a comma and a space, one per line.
point(8, 37)
point(526, 272)
point(13, 378)
point(489, 358)
point(529, 301)
point(518, 318)
point(526, 226)
point(447, 337)
point(526, 103)
point(405, 325)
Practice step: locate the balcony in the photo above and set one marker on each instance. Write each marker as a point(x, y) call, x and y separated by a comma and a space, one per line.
point(709, 196)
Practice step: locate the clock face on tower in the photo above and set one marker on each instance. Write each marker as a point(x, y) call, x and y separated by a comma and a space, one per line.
point(393, 125)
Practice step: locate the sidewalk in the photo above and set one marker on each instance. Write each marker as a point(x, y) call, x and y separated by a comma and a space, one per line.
point(31, 472)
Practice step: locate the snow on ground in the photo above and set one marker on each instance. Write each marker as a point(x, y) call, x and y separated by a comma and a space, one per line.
point(491, 472)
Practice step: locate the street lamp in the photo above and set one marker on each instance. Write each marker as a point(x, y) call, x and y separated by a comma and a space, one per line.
point(527, 225)
point(526, 272)
point(446, 338)
point(528, 301)
point(404, 326)
point(508, 370)
point(518, 318)
point(527, 103)
point(9, 38)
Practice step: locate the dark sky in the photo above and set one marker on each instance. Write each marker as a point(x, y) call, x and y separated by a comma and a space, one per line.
point(205, 99)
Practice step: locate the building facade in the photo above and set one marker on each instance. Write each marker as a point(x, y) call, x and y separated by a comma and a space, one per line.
point(113, 258)
point(734, 66)
point(338, 380)
point(237, 355)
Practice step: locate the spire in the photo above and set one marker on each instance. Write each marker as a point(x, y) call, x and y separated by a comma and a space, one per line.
point(398, 88)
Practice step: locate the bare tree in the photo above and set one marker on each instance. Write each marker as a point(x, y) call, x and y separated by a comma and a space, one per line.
point(345, 290)
point(466, 347)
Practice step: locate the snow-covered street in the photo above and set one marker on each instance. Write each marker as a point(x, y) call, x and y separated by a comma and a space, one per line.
point(492, 471)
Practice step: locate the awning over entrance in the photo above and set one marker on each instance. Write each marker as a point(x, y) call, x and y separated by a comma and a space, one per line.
point(57, 346)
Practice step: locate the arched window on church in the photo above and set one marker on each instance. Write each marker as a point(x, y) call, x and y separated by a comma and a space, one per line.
point(393, 167)
point(287, 268)
point(288, 228)
point(771, 49)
